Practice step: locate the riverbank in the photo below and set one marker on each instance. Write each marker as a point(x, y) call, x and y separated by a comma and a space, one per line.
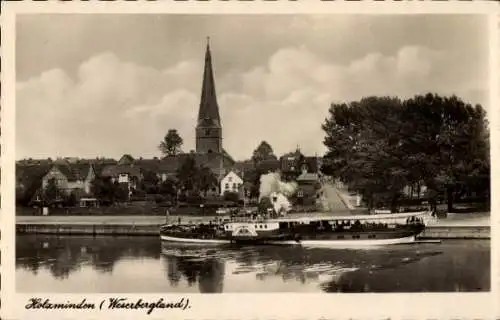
point(471, 226)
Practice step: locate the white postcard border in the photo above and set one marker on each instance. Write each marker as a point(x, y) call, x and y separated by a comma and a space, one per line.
point(255, 306)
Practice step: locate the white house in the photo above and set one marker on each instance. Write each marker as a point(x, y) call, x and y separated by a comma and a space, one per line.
point(230, 183)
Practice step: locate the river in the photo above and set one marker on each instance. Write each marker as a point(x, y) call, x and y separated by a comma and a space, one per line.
point(80, 264)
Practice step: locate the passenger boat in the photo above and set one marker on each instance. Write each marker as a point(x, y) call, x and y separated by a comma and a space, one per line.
point(323, 231)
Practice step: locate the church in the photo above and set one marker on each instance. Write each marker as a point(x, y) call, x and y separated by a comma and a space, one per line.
point(209, 151)
point(209, 141)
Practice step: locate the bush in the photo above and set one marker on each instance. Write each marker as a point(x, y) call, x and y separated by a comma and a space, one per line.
point(232, 196)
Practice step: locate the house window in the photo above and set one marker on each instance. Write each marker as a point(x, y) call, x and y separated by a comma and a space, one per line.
point(234, 186)
point(207, 132)
point(122, 178)
point(227, 186)
point(300, 193)
point(230, 179)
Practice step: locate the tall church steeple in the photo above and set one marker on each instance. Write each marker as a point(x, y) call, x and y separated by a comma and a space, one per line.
point(209, 127)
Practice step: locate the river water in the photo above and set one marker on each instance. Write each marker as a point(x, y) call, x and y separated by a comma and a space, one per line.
point(143, 264)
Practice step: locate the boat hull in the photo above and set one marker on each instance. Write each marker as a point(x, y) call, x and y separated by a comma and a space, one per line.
point(323, 243)
point(193, 240)
point(342, 244)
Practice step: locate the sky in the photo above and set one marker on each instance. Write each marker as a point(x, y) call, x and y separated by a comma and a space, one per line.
point(107, 85)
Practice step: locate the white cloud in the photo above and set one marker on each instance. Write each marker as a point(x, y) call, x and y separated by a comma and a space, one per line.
point(112, 106)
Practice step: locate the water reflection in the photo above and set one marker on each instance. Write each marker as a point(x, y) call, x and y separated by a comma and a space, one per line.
point(139, 264)
point(65, 255)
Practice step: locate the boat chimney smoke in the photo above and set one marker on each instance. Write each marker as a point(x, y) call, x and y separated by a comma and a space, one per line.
point(277, 191)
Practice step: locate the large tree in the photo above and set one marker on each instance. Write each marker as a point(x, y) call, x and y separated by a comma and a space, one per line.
point(264, 151)
point(362, 140)
point(448, 143)
point(379, 145)
point(171, 144)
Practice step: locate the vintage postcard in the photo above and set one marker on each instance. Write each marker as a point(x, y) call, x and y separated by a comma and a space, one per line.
point(263, 160)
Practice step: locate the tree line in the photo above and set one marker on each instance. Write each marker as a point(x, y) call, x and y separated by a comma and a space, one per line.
point(379, 145)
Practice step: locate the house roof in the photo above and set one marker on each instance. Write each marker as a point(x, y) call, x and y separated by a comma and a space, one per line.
point(268, 165)
point(210, 160)
point(114, 170)
point(126, 159)
point(74, 171)
point(234, 173)
point(170, 164)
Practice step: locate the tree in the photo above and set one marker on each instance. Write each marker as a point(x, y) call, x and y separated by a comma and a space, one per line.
point(149, 182)
point(379, 145)
point(207, 179)
point(168, 188)
point(71, 200)
point(122, 192)
point(187, 175)
point(231, 196)
point(263, 152)
point(51, 191)
point(170, 146)
point(448, 141)
point(253, 176)
point(103, 189)
point(264, 204)
point(363, 142)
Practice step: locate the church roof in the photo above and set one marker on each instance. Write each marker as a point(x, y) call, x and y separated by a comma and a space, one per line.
point(208, 114)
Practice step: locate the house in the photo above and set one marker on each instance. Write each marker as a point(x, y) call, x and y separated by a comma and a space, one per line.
point(127, 174)
point(308, 188)
point(231, 183)
point(70, 177)
point(33, 177)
